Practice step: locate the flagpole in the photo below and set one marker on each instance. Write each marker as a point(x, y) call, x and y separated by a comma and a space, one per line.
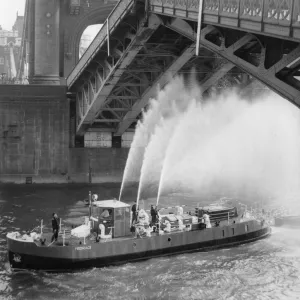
point(199, 26)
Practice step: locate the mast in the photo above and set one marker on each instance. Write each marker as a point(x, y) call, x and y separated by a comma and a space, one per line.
point(90, 204)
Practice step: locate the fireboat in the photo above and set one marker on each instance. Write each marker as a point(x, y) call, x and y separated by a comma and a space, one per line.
point(109, 236)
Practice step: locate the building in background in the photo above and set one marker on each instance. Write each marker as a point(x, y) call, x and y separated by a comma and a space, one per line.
point(10, 45)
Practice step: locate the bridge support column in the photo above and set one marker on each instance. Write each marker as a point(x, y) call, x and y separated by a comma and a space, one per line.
point(46, 39)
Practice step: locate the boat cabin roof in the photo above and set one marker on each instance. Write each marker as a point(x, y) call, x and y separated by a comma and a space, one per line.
point(216, 207)
point(110, 204)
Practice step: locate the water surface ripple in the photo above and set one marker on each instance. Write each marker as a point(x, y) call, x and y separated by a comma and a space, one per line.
point(267, 269)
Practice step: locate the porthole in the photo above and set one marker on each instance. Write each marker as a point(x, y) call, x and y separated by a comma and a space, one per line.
point(169, 239)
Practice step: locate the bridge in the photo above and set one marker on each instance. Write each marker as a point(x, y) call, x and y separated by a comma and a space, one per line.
point(141, 45)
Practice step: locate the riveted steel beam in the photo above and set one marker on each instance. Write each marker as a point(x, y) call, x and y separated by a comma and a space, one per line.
point(115, 109)
point(122, 97)
point(107, 121)
point(164, 78)
point(218, 73)
point(266, 76)
point(117, 70)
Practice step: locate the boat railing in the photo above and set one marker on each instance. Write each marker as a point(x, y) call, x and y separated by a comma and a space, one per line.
point(173, 227)
point(64, 231)
point(186, 207)
point(47, 230)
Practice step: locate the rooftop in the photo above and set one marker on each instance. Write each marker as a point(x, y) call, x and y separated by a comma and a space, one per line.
point(216, 207)
point(110, 203)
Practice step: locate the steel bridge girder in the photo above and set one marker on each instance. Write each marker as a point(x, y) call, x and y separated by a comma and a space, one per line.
point(100, 97)
point(177, 64)
point(267, 76)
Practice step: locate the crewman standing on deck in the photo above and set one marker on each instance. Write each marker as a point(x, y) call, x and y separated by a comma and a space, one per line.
point(153, 215)
point(55, 227)
point(134, 212)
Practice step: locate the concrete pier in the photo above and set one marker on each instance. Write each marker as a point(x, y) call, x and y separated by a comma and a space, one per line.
point(46, 49)
point(96, 165)
point(34, 141)
point(34, 133)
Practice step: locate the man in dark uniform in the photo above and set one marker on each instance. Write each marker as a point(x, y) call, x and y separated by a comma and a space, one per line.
point(153, 215)
point(55, 227)
point(134, 212)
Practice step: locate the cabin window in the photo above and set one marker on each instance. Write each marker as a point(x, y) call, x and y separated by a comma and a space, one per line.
point(106, 213)
point(169, 239)
point(223, 233)
point(232, 229)
point(119, 214)
point(246, 228)
point(127, 212)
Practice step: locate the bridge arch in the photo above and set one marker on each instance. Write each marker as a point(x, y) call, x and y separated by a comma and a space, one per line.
point(73, 31)
point(87, 37)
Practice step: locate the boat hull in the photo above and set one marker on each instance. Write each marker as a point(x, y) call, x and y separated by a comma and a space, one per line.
point(31, 256)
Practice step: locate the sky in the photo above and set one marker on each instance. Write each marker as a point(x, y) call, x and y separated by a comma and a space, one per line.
point(8, 12)
point(92, 30)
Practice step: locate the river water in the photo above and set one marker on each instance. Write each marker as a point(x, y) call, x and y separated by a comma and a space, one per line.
point(266, 269)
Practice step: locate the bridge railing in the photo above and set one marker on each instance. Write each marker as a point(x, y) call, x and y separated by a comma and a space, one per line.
point(112, 21)
point(278, 12)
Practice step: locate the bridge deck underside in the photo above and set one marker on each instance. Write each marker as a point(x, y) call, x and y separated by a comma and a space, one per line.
point(112, 91)
point(275, 62)
point(145, 51)
point(138, 82)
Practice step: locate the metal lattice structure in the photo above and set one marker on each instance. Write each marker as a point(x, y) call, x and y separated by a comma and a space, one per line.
point(145, 43)
point(247, 51)
point(280, 18)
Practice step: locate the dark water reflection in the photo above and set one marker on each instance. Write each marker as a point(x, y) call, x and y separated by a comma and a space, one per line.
point(267, 269)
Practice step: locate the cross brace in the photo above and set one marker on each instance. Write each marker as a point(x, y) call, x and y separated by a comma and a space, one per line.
point(266, 76)
point(99, 98)
point(218, 73)
point(151, 91)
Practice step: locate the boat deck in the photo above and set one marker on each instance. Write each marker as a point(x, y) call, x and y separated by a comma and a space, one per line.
point(75, 241)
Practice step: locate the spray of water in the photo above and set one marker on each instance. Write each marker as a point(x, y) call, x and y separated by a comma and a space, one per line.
point(229, 143)
point(155, 152)
point(172, 102)
point(176, 134)
point(145, 128)
point(143, 133)
point(222, 145)
point(200, 123)
point(191, 96)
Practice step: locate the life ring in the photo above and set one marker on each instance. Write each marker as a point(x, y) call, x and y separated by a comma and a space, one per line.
point(102, 229)
point(102, 232)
